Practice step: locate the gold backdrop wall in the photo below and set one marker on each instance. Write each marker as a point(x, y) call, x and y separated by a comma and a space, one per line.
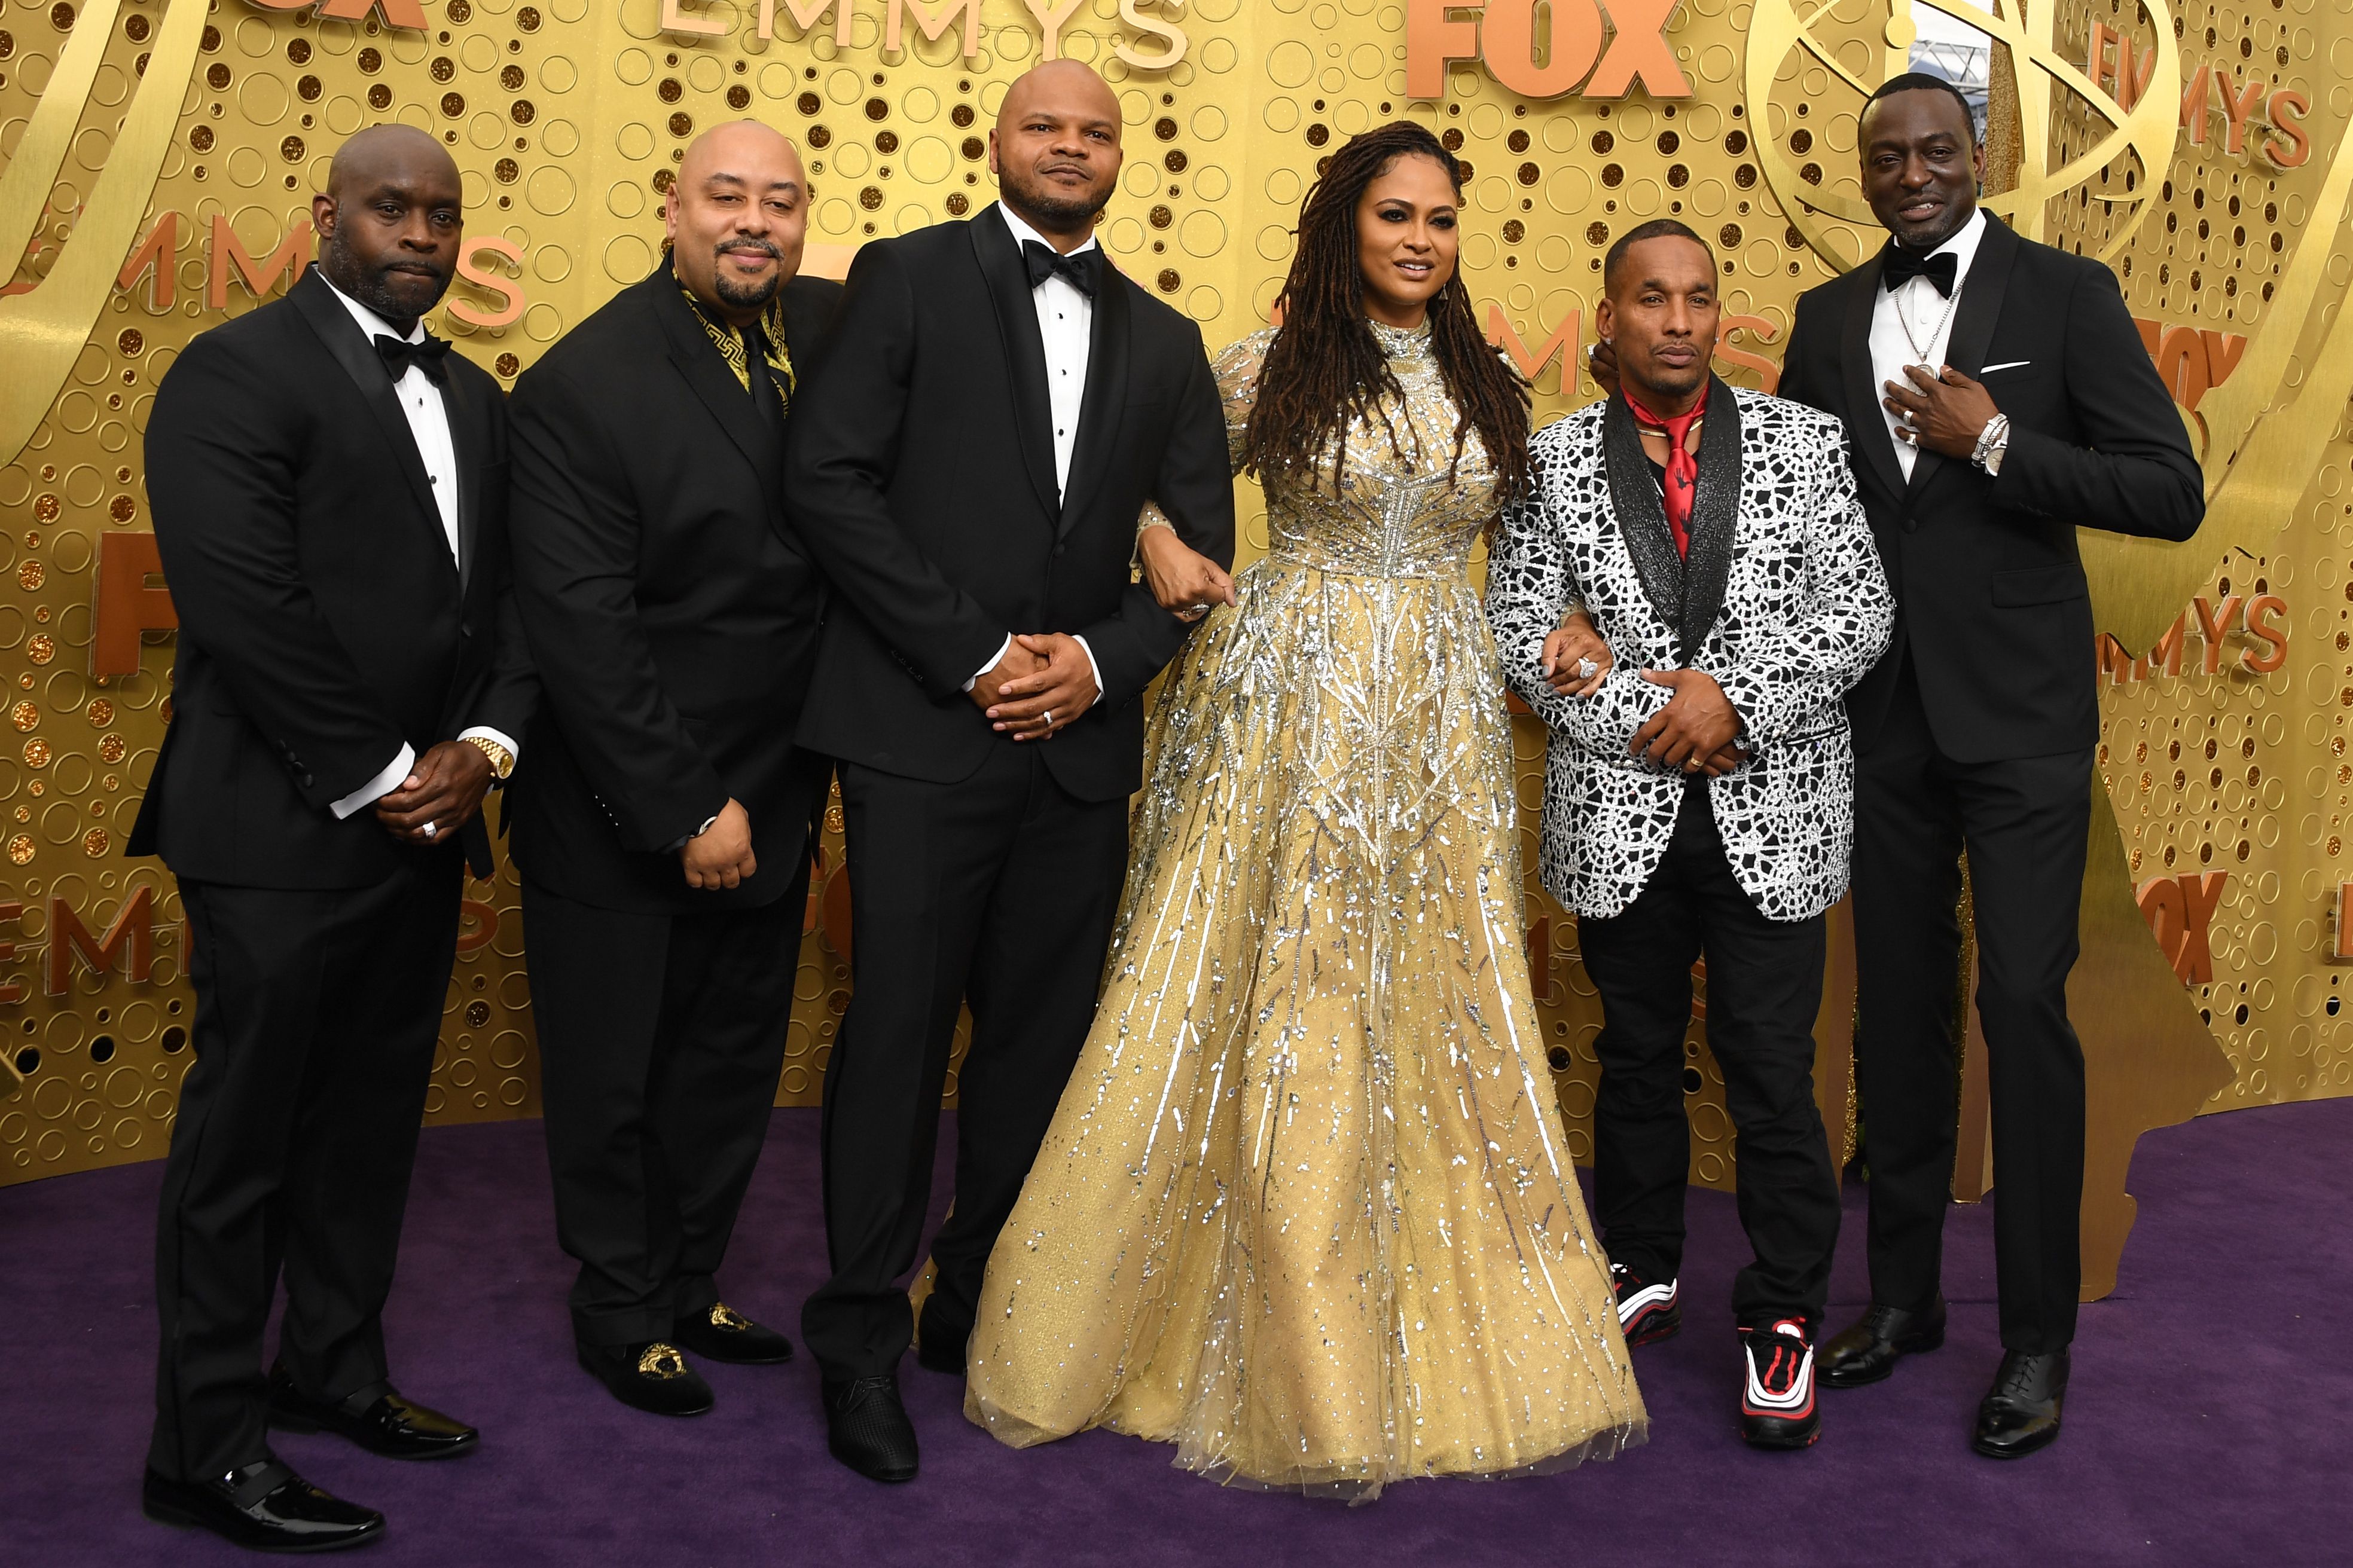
point(160, 155)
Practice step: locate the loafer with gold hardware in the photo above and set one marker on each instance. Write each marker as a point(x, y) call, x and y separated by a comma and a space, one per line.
point(723, 1333)
point(379, 1418)
point(654, 1376)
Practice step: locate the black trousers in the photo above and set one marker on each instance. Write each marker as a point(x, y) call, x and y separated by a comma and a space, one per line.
point(997, 892)
point(1764, 987)
point(316, 1017)
point(661, 1040)
point(2026, 824)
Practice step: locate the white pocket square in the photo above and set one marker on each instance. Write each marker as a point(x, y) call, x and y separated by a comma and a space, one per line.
point(2006, 364)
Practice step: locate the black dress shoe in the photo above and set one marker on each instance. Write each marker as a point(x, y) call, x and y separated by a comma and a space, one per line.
point(2021, 1414)
point(1869, 1351)
point(940, 1345)
point(652, 1377)
point(376, 1417)
point(723, 1333)
point(867, 1429)
point(262, 1506)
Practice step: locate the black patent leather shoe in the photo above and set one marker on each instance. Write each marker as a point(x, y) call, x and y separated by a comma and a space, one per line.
point(867, 1427)
point(262, 1506)
point(377, 1418)
point(723, 1333)
point(654, 1377)
point(2021, 1414)
point(1869, 1351)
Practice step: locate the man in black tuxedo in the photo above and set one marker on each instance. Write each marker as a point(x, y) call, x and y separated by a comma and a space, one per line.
point(996, 406)
point(661, 824)
point(1997, 398)
point(330, 493)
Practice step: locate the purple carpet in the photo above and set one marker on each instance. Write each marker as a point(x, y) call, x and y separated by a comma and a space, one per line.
point(2208, 1421)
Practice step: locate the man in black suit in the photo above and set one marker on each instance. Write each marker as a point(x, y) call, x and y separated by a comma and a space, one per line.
point(996, 406)
point(1997, 398)
point(330, 493)
point(660, 825)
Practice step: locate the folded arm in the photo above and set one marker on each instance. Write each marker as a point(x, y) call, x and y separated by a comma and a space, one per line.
point(576, 535)
point(841, 447)
point(1840, 627)
point(2135, 472)
point(224, 526)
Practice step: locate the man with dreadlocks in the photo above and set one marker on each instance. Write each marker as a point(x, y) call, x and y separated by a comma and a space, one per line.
point(1700, 798)
point(1304, 1210)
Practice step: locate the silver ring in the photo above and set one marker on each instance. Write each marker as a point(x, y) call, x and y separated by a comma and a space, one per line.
point(1050, 718)
point(1586, 669)
point(431, 830)
point(1199, 609)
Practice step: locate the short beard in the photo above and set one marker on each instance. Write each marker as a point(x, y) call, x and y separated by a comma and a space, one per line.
point(738, 296)
point(1024, 196)
point(372, 287)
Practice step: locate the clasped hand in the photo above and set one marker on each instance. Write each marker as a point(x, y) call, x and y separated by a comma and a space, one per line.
point(1183, 582)
point(1945, 410)
point(1039, 687)
point(721, 855)
point(443, 788)
point(1698, 730)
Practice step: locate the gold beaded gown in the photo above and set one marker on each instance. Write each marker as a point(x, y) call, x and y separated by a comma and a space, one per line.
point(1304, 1210)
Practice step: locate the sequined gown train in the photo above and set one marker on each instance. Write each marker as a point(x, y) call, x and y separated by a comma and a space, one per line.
point(1305, 1209)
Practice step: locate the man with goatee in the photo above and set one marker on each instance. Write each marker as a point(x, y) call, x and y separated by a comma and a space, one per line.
point(660, 822)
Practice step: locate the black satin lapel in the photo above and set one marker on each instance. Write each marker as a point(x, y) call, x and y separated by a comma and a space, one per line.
point(1974, 321)
point(466, 442)
point(1714, 520)
point(1106, 403)
point(1642, 515)
point(1866, 422)
point(1025, 350)
point(342, 335)
point(698, 359)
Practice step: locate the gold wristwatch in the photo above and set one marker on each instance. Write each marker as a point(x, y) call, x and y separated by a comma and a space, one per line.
point(501, 760)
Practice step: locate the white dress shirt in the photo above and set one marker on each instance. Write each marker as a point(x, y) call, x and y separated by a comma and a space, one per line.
point(1932, 325)
point(428, 422)
point(1066, 325)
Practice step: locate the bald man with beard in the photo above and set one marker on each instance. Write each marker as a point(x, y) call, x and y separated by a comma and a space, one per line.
point(661, 820)
point(329, 485)
point(994, 408)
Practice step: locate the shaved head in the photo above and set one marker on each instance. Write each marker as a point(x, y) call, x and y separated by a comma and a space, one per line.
point(737, 217)
point(1055, 151)
point(390, 221)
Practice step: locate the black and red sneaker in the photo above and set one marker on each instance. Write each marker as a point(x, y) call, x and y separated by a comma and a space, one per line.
point(1647, 1309)
point(1776, 1405)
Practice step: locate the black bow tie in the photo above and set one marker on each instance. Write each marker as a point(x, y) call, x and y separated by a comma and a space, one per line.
point(1900, 266)
point(1081, 270)
point(426, 356)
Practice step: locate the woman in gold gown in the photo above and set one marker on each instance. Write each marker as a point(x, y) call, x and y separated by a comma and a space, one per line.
point(1305, 1209)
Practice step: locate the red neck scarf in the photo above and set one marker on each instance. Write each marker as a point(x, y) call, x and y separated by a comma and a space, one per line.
point(1683, 469)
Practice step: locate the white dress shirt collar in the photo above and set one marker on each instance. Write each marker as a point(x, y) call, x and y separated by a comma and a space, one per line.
point(1021, 231)
point(1963, 245)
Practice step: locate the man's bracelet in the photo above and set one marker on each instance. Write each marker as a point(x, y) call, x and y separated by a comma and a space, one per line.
point(1993, 442)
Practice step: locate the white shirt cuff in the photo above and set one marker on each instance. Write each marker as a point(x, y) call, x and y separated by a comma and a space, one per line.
point(994, 660)
point(1091, 665)
point(497, 738)
point(376, 788)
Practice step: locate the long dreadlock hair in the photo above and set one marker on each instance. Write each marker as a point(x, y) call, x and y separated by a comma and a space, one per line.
point(1325, 367)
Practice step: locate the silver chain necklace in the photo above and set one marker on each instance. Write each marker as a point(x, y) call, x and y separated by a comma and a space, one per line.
point(1904, 320)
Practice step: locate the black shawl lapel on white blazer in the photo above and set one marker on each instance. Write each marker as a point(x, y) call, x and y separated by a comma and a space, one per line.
point(1686, 592)
point(351, 349)
point(1008, 275)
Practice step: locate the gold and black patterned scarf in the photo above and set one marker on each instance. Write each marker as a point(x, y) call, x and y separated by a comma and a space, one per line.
point(731, 343)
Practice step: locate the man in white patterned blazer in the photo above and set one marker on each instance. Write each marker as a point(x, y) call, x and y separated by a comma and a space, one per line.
point(1699, 791)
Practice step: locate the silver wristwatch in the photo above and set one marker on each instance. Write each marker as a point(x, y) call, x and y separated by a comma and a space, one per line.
point(1993, 442)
